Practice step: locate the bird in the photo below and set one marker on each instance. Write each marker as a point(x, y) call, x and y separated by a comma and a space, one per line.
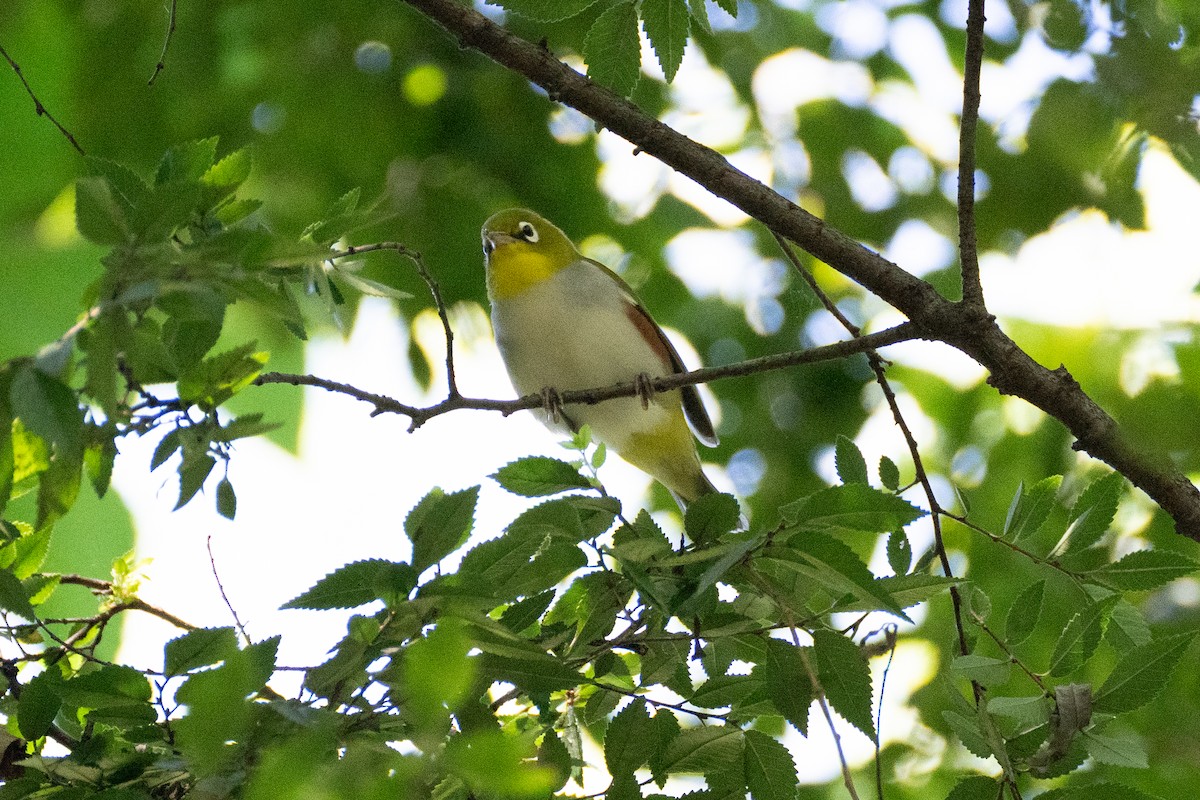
point(565, 322)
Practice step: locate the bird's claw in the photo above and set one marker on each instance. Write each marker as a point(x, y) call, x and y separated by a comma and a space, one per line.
point(644, 388)
point(552, 403)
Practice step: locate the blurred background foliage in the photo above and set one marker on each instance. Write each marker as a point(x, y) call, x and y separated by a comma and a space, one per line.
point(824, 100)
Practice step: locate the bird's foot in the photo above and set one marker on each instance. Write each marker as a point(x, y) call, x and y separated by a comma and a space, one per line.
point(552, 403)
point(644, 386)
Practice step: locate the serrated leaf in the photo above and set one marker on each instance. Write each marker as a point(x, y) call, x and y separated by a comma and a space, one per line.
point(1141, 674)
point(199, 648)
point(844, 675)
point(13, 596)
point(853, 506)
point(1093, 512)
point(710, 517)
point(975, 787)
point(1127, 627)
point(833, 564)
point(889, 474)
point(982, 669)
point(613, 50)
point(187, 161)
point(788, 684)
point(703, 749)
point(666, 25)
point(545, 10)
point(530, 672)
point(1081, 636)
point(194, 469)
point(539, 476)
point(969, 733)
point(356, 584)
point(770, 770)
point(1118, 749)
point(439, 524)
point(230, 171)
point(98, 215)
point(39, 705)
point(1024, 613)
point(624, 741)
point(1031, 507)
point(849, 461)
point(1144, 569)
point(899, 552)
point(1025, 712)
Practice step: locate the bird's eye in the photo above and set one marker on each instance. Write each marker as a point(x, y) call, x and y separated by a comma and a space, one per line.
point(527, 232)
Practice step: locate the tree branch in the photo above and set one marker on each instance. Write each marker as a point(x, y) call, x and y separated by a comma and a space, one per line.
point(963, 326)
point(420, 415)
point(968, 252)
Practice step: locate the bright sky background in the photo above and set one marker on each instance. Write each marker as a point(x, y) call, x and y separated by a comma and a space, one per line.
point(344, 498)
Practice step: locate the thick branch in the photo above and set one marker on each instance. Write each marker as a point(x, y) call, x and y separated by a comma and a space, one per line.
point(964, 327)
point(967, 243)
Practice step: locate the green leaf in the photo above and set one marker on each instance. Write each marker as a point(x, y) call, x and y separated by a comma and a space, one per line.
point(98, 215)
point(591, 604)
point(199, 648)
point(835, 565)
point(899, 553)
point(439, 525)
point(553, 755)
point(1127, 628)
point(194, 469)
point(1024, 613)
point(969, 733)
point(438, 674)
point(726, 690)
point(368, 286)
point(852, 506)
point(50, 409)
point(1144, 569)
point(1031, 507)
point(110, 685)
point(226, 499)
point(788, 684)
point(187, 162)
point(539, 476)
point(358, 583)
point(710, 517)
point(545, 10)
point(1093, 512)
point(905, 590)
point(846, 678)
point(39, 705)
point(530, 672)
point(1118, 749)
point(666, 26)
point(981, 669)
point(770, 770)
point(889, 474)
point(625, 740)
point(13, 596)
point(851, 466)
point(230, 172)
point(1080, 638)
point(1025, 712)
point(975, 787)
point(1141, 674)
point(703, 749)
point(612, 49)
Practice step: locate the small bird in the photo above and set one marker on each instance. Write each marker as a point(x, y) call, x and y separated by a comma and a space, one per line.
point(564, 322)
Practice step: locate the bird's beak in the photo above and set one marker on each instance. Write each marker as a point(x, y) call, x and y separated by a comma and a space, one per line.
point(493, 239)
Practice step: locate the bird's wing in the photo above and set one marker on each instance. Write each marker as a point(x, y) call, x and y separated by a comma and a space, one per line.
point(693, 406)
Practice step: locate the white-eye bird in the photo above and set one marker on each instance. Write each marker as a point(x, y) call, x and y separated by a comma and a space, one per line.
point(564, 322)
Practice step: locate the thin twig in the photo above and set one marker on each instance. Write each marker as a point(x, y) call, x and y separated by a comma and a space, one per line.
point(420, 415)
point(221, 588)
point(434, 291)
point(162, 58)
point(37, 104)
point(968, 249)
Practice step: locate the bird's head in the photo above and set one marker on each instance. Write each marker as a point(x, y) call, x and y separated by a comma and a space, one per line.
point(522, 248)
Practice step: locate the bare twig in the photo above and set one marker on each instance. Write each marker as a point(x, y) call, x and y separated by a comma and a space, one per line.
point(37, 104)
point(961, 325)
point(421, 415)
point(221, 588)
point(162, 58)
point(968, 251)
point(434, 291)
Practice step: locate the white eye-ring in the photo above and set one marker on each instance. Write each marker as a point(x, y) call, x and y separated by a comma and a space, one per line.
point(527, 232)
